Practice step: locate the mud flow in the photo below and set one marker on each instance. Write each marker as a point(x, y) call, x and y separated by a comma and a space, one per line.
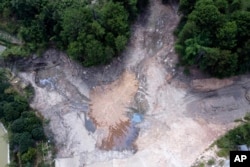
point(108, 112)
point(140, 110)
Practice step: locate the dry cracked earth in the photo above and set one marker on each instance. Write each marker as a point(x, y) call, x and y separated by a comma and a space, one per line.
point(140, 110)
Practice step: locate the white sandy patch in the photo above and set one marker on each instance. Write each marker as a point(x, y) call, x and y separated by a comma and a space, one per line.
point(78, 139)
point(68, 162)
point(111, 100)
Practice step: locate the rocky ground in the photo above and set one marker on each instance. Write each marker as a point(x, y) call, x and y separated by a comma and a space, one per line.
point(90, 110)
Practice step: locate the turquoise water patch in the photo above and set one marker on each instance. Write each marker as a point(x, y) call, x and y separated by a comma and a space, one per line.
point(137, 118)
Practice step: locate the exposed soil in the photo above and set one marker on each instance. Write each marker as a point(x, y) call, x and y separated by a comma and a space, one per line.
point(89, 108)
point(108, 109)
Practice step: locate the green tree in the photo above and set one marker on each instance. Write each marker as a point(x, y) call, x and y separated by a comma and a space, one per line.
point(74, 20)
point(31, 121)
point(49, 17)
point(214, 35)
point(94, 53)
point(38, 134)
point(235, 5)
point(110, 39)
point(120, 42)
point(244, 57)
point(130, 6)
point(220, 63)
point(29, 156)
point(34, 34)
point(26, 10)
point(109, 52)
point(186, 6)
point(10, 113)
point(204, 15)
point(97, 30)
point(20, 103)
point(222, 6)
point(71, 24)
point(242, 19)
point(75, 50)
point(18, 125)
point(115, 18)
point(226, 35)
point(188, 31)
point(25, 141)
point(25, 128)
point(191, 51)
point(210, 57)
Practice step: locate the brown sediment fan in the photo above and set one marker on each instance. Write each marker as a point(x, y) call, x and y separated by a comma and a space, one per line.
point(116, 136)
point(108, 111)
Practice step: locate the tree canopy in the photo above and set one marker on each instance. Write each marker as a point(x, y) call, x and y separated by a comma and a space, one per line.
point(214, 36)
point(24, 126)
point(90, 32)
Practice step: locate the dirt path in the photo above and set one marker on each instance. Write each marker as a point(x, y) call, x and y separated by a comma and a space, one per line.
point(180, 121)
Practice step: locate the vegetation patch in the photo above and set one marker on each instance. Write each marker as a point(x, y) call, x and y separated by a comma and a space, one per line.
point(91, 32)
point(27, 140)
point(214, 36)
point(211, 162)
point(237, 136)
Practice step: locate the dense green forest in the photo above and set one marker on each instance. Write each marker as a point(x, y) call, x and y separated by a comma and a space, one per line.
point(92, 32)
point(25, 129)
point(214, 35)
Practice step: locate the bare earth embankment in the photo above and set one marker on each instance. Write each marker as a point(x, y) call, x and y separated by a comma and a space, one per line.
point(89, 109)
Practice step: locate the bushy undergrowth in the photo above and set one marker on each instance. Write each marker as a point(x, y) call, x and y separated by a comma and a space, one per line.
point(25, 129)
